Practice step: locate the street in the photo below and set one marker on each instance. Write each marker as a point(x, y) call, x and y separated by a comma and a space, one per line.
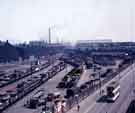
point(91, 104)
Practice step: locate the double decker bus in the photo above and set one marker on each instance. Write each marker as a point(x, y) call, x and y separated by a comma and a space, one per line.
point(113, 91)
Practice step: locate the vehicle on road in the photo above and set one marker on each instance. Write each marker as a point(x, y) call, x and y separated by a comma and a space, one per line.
point(113, 91)
point(46, 112)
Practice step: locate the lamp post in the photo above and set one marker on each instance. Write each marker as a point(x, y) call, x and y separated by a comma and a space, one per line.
point(66, 68)
point(100, 84)
point(133, 84)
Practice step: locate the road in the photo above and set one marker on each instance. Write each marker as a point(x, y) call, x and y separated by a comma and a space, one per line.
point(91, 105)
point(49, 86)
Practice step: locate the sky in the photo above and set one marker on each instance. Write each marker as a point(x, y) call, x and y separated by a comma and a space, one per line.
point(69, 20)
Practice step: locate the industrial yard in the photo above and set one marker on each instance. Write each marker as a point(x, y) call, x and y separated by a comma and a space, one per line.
point(58, 83)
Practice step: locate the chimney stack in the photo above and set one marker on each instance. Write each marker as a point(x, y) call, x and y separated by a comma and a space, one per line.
point(49, 35)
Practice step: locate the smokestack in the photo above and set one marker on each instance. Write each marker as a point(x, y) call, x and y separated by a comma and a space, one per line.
point(49, 35)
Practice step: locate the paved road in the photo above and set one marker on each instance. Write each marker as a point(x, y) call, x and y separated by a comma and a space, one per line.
point(90, 104)
point(49, 86)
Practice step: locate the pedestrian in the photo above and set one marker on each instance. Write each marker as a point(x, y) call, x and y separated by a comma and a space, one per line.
point(102, 91)
point(78, 107)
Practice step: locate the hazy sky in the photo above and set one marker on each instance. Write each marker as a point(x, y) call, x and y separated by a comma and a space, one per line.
point(22, 20)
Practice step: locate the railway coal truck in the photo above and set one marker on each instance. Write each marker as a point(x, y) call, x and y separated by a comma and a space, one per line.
point(35, 100)
point(71, 92)
point(33, 103)
point(31, 84)
point(4, 100)
point(44, 77)
point(62, 66)
point(12, 92)
point(20, 89)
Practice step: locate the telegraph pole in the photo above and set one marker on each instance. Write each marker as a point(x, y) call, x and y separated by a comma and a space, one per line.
point(133, 84)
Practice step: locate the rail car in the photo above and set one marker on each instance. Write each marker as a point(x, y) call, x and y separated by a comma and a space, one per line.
point(23, 88)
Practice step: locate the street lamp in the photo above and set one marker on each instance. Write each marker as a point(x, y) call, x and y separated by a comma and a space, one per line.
point(100, 83)
point(66, 68)
point(133, 79)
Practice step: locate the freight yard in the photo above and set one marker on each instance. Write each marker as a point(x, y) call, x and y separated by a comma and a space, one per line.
point(58, 85)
